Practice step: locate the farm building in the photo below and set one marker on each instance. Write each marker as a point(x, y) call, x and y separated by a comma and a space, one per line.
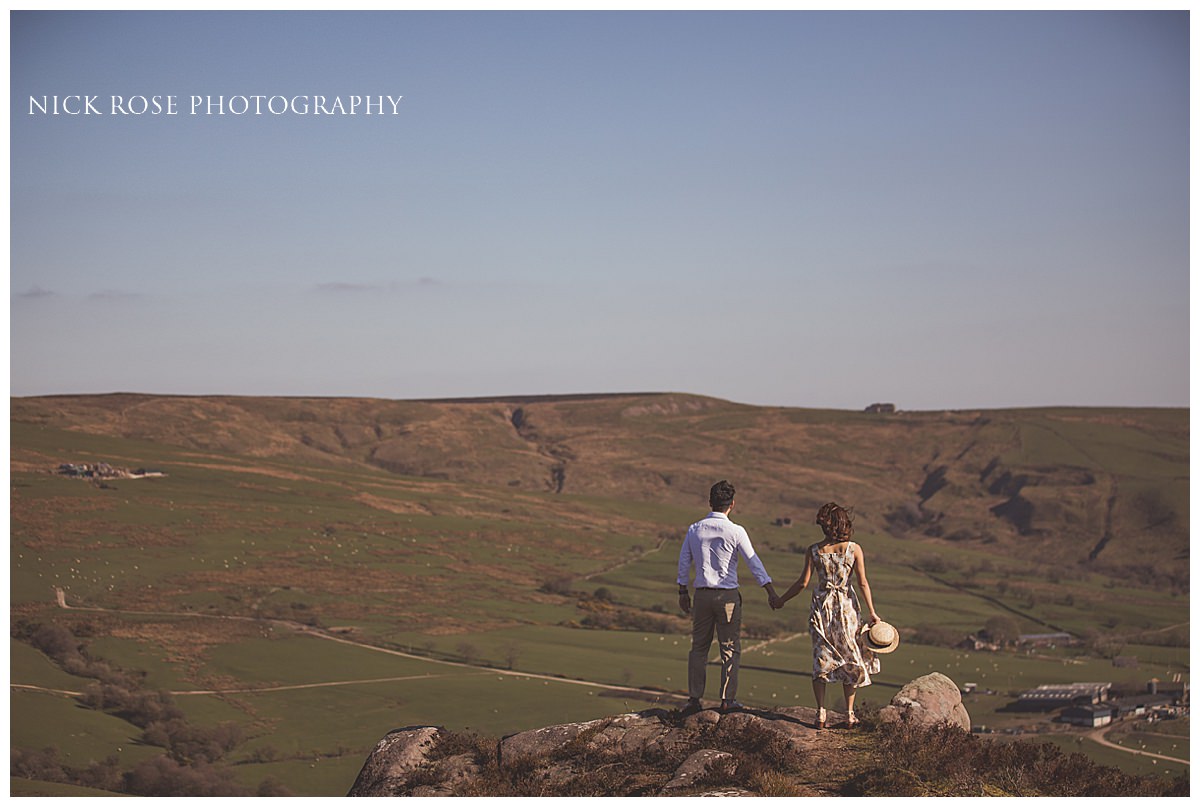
point(1054, 696)
point(1047, 639)
point(1139, 705)
point(881, 408)
point(973, 642)
point(1176, 689)
point(1092, 714)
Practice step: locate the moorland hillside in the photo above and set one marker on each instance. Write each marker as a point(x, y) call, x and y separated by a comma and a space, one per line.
point(288, 579)
point(1102, 489)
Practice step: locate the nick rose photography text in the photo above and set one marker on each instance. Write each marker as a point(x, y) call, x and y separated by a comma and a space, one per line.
point(215, 105)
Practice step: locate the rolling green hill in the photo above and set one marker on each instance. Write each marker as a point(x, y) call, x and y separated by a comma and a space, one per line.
point(1092, 487)
point(315, 572)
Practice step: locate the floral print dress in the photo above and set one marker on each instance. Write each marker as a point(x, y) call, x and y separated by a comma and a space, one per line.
point(834, 620)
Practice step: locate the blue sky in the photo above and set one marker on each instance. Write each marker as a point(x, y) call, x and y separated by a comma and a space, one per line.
point(944, 210)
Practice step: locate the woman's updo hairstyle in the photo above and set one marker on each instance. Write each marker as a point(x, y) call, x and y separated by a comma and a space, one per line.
point(835, 521)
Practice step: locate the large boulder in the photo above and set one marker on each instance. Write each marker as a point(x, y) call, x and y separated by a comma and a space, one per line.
point(930, 700)
point(395, 756)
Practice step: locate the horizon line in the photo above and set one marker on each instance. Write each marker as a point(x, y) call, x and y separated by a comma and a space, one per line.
point(583, 396)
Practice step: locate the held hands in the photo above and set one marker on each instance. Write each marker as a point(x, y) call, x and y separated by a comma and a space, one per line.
point(777, 602)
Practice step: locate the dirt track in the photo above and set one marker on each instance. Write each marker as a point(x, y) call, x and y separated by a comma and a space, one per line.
point(61, 599)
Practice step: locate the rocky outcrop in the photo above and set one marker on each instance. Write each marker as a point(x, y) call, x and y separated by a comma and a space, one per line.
point(624, 733)
point(398, 754)
point(930, 700)
point(409, 762)
point(656, 752)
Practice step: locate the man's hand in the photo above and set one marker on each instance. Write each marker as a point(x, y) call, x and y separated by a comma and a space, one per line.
point(777, 603)
point(685, 602)
point(772, 597)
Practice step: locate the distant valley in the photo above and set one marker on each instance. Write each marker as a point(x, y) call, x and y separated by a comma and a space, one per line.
point(290, 578)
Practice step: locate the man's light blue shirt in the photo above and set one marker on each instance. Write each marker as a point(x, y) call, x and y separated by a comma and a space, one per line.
point(712, 546)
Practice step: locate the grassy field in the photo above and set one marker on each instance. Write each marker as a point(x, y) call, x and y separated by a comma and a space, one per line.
point(318, 601)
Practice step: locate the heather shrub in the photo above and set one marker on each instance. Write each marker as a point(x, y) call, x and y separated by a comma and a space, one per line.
point(914, 761)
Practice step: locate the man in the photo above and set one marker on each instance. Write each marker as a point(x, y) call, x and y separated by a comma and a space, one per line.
point(712, 546)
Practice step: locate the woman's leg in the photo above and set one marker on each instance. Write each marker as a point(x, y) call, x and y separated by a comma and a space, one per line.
point(819, 694)
point(849, 690)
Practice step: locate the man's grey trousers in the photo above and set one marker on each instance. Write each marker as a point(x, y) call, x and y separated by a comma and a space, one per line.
point(718, 610)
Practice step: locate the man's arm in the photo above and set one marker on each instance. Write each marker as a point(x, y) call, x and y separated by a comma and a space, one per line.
point(752, 560)
point(685, 564)
point(756, 568)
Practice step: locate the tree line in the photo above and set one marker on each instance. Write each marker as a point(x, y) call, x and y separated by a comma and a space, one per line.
point(192, 765)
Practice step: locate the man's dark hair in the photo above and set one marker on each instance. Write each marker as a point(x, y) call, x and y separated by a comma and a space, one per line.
point(720, 496)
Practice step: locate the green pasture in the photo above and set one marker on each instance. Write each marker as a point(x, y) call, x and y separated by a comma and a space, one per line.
point(292, 659)
point(619, 658)
point(19, 787)
point(1180, 727)
point(1153, 743)
point(29, 666)
point(45, 720)
point(316, 776)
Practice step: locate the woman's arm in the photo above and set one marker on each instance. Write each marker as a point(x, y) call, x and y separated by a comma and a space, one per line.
point(860, 570)
point(801, 582)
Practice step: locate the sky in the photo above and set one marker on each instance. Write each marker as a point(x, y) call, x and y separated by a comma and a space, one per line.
point(943, 210)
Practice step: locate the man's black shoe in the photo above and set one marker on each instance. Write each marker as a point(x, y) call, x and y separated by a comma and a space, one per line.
point(693, 706)
point(731, 706)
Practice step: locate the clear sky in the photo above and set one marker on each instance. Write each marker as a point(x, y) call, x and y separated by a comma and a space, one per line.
point(941, 210)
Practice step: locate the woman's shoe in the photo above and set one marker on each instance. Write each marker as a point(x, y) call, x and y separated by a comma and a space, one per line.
point(820, 718)
point(851, 720)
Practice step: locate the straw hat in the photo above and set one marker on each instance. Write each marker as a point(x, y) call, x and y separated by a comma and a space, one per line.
point(880, 637)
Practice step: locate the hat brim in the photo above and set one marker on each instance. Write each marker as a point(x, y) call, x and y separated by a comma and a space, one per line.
point(874, 647)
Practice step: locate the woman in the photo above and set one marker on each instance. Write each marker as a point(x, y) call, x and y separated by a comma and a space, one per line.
point(834, 620)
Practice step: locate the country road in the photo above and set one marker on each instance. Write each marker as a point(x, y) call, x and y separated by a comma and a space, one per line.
point(1098, 737)
point(654, 695)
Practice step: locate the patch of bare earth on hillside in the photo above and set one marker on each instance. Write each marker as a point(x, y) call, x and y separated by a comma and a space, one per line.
point(187, 643)
point(392, 505)
point(671, 406)
point(262, 470)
